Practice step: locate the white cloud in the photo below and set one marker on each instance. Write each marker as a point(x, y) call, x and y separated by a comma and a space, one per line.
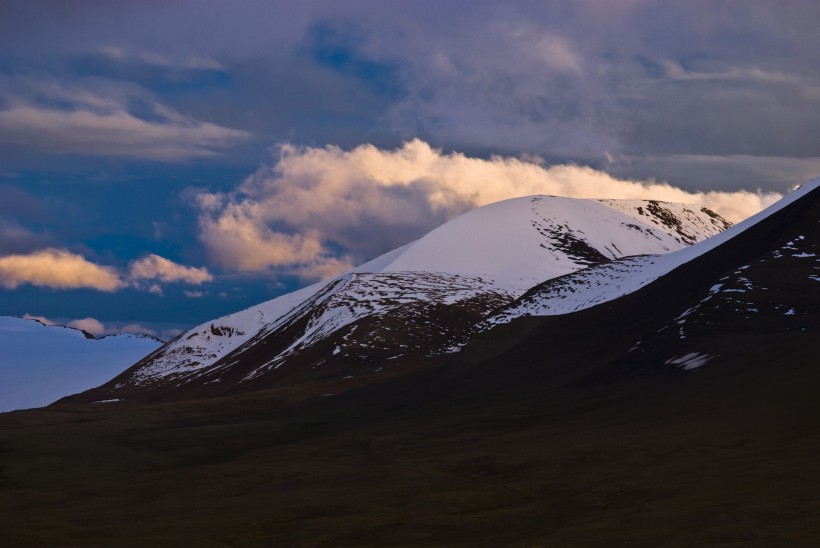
point(675, 71)
point(366, 201)
point(237, 237)
point(154, 267)
point(137, 329)
point(42, 319)
point(56, 268)
point(100, 329)
point(91, 325)
point(61, 269)
point(556, 53)
point(200, 62)
point(324, 268)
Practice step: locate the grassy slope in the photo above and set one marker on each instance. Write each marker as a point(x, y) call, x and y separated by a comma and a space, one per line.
point(717, 457)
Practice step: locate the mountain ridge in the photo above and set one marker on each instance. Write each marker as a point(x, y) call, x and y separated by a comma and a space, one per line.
point(457, 273)
point(668, 296)
point(42, 363)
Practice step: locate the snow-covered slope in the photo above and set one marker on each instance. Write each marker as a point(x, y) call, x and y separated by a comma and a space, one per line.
point(426, 294)
point(523, 241)
point(384, 315)
point(605, 282)
point(40, 364)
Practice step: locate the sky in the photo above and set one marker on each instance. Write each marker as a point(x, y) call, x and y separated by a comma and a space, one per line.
point(163, 163)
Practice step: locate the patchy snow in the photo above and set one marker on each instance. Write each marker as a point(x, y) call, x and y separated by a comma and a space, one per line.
point(690, 361)
point(40, 364)
point(357, 296)
point(688, 224)
point(207, 343)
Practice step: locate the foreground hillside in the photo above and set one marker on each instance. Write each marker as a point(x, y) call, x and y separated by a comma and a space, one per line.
point(684, 413)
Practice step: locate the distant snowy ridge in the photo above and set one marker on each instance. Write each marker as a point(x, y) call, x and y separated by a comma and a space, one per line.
point(480, 260)
point(40, 364)
point(605, 282)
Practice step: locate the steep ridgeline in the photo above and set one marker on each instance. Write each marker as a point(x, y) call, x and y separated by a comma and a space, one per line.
point(423, 299)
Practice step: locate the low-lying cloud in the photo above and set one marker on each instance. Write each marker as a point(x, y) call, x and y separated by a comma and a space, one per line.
point(154, 267)
point(99, 329)
point(58, 269)
point(62, 269)
point(91, 325)
point(318, 210)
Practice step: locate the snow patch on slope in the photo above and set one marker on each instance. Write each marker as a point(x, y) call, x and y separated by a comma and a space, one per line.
point(209, 342)
point(360, 296)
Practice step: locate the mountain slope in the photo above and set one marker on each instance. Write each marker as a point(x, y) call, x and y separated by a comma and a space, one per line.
point(729, 300)
point(607, 281)
point(40, 364)
point(424, 298)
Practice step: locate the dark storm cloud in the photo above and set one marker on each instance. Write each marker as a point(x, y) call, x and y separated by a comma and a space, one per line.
point(569, 81)
point(15, 205)
point(655, 78)
point(16, 239)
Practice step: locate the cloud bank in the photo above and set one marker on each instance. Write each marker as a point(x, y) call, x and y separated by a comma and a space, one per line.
point(315, 211)
point(93, 117)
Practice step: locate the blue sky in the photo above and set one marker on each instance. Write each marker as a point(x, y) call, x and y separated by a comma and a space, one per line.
point(163, 163)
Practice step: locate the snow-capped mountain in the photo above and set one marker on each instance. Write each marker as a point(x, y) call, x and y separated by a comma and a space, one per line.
point(422, 299)
point(607, 281)
point(41, 363)
point(743, 301)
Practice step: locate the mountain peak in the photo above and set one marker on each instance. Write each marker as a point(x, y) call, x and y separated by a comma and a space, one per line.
point(425, 298)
